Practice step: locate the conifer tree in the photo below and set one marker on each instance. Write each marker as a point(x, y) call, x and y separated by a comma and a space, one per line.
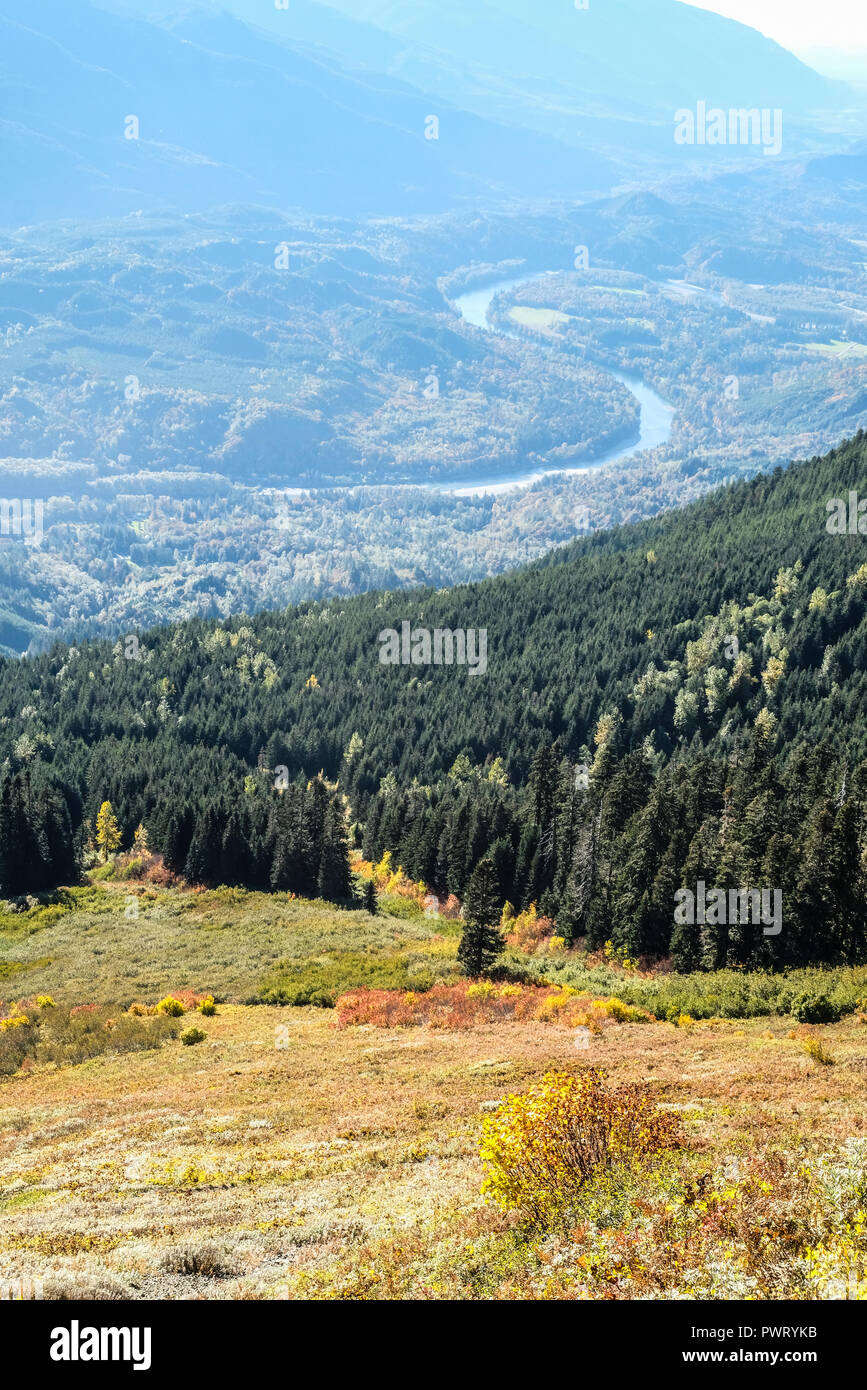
point(334, 876)
point(482, 941)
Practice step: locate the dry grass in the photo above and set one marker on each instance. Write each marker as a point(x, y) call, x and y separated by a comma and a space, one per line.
point(346, 1164)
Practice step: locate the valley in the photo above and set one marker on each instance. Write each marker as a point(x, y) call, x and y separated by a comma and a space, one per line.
point(433, 662)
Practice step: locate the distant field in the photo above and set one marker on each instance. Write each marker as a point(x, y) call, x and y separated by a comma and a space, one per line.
point(227, 941)
point(839, 348)
point(616, 289)
point(538, 318)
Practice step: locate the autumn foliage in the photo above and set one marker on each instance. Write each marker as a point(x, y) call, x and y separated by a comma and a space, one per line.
point(542, 1149)
point(470, 1003)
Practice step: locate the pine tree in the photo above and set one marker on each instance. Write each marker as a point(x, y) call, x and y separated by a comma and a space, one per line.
point(235, 853)
point(204, 861)
point(481, 942)
point(333, 881)
point(371, 902)
point(176, 842)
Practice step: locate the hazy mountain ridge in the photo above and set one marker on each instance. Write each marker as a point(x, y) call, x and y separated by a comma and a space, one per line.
point(226, 114)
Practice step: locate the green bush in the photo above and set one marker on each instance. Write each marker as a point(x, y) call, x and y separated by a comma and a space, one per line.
point(394, 905)
point(704, 994)
point(816, 1007)
point(191, 1036)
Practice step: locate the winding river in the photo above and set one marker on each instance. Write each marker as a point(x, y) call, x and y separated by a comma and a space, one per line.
point(654, 427)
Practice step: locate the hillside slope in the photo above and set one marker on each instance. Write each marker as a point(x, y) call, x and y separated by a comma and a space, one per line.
point(675, 701)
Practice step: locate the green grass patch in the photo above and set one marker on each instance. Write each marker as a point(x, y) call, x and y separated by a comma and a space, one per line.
point(838, 347)
point(10, 968)
point(320, 982)
point(20, 1201)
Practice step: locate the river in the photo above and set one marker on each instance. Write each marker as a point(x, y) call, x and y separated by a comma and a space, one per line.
point(654, 427)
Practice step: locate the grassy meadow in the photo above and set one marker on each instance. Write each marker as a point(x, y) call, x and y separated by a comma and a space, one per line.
point(304, 1151)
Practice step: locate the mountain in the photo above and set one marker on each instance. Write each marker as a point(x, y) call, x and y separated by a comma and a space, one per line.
point(647, 52)
point(226, 113)
point(607, 78)
point(674, 701)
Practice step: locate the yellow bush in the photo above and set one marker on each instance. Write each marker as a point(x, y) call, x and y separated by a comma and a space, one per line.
point(817, 1051)
point(622, 1013)
point(484, 989)
point(838, 1268)
point(541, 1150)
point(552, 1007)
point(171, 1006)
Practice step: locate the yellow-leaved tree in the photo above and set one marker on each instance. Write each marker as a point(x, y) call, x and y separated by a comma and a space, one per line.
point(107, 830)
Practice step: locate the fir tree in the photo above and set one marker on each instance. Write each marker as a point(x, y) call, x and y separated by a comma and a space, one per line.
point(482, 941)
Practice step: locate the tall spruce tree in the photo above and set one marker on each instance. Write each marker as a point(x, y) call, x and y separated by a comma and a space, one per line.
point(482, 941)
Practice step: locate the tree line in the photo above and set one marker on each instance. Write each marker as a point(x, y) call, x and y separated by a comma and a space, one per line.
point(674, 701)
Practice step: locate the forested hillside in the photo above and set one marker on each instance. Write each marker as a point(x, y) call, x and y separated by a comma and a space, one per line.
point(667, 703)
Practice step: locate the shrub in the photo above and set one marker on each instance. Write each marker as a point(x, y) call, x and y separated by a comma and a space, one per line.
point(170, 1006)
point(812, 1006)
point(466, 1004)
point(817, 1051)
point(17, 1039)
point(68, 1036)
point(204, 1259)
point(193, 1035)
point(208, 1007)
point(542, 1150)
point(706, 994)
point(527, 932)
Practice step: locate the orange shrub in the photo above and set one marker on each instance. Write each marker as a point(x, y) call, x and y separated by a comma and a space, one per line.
point(469, 1003)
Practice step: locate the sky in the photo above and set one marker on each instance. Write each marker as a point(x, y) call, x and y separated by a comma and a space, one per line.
point(800, 24)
